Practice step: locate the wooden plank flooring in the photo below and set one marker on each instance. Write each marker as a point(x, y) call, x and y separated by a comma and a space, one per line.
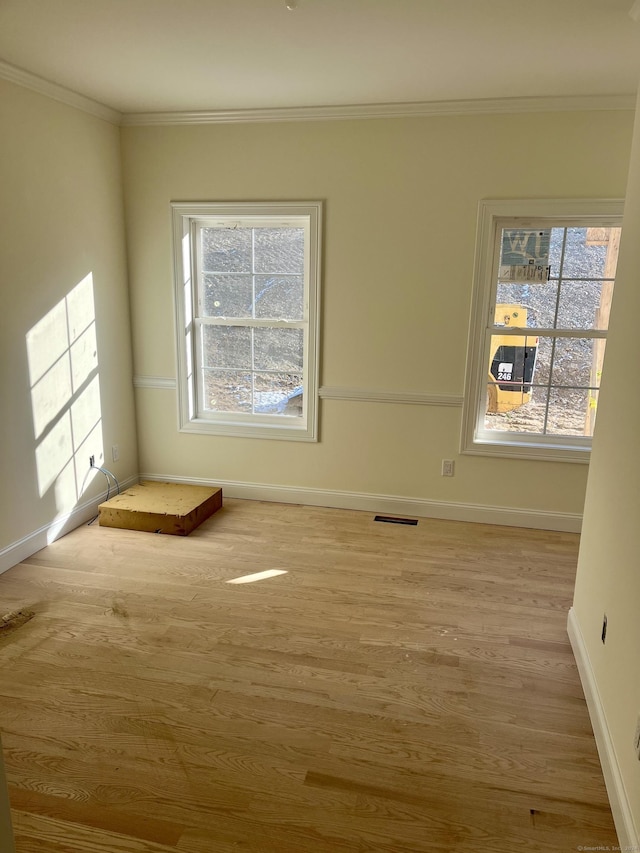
point(398, 689)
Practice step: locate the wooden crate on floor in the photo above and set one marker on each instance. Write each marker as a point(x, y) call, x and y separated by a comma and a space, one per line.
point(160, 508)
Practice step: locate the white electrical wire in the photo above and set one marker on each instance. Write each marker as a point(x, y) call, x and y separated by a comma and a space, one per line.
point(107, 474)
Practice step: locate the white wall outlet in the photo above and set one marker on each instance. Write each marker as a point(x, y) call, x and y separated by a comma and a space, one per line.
point(115, 452)
point(448, 467)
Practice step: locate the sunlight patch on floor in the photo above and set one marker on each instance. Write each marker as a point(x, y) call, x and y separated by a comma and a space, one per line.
point(258, 576)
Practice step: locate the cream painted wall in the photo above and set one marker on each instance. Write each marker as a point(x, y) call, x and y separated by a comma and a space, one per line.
point(608, 579)
point(63, 265)
point(401, 200)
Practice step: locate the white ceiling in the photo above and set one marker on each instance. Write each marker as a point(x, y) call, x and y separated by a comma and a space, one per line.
point(185, 55)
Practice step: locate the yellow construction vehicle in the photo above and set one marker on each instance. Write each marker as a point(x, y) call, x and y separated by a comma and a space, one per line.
point(512, 361)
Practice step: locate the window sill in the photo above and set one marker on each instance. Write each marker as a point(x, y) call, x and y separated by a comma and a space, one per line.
point(529, 450)
point(203, 426)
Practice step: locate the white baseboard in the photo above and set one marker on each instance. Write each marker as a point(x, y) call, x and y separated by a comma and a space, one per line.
point(48, 533)
point(628, 834)
point(398, 505)
point(22, 549)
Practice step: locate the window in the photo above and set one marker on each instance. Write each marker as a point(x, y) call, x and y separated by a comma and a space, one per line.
point(247, 296)
point(544, 281)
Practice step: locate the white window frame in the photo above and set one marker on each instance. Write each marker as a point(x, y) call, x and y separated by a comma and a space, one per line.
point(186, 216)
point(493, 215)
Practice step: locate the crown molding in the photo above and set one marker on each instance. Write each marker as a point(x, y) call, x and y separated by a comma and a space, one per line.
point(58, 93)
point(401, 110)
point(486, 106)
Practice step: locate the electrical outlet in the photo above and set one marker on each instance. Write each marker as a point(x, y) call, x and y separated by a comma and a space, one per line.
point(92, 462)
point(604, 628)
point(115, 452)
point(448, 467)
point(636, 739)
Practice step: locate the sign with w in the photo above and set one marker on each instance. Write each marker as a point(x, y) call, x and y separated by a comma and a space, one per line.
point(520, 247)
point(525, 255)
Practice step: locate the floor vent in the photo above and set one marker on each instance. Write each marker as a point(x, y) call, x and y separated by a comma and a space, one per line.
point(390, 519)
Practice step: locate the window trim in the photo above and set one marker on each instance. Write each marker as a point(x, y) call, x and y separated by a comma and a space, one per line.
point(185, 216)
point(531, 213)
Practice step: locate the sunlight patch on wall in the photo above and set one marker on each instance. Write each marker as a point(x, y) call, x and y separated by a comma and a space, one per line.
point(62, 353)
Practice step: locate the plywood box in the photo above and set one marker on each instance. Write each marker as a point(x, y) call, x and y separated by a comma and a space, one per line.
point(160, 508)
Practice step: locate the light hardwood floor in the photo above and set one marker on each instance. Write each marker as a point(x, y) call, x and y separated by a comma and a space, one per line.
point(398, 689)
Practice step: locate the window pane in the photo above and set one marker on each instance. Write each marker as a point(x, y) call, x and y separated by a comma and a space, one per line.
point(575, 362)
point(583, 259)
point(226, 346)
point(568, 412)
point(512, 361)
point(226, 249)
point(584, 304)
point(279, 250)
point(527, 417)
point(542, 371)
point(279, 298)
point(278, 394)
point(227, 391)
point(555, 250)
point(524, 247)
point(227, 296)
point(278, 349)
point(530, 305)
